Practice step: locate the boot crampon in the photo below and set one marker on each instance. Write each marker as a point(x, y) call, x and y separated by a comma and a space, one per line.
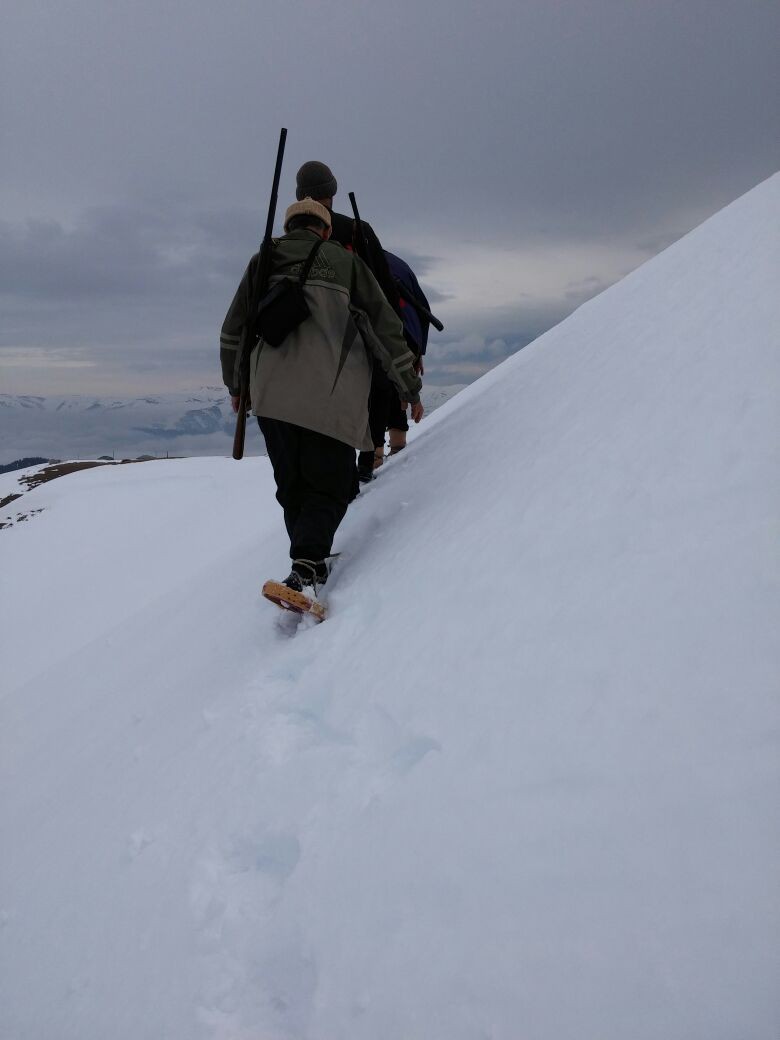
point(300, 589)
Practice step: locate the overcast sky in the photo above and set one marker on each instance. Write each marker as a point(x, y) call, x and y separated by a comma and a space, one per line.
point(521, 155)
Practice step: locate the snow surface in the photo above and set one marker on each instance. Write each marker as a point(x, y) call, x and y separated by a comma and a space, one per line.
point(519, 786)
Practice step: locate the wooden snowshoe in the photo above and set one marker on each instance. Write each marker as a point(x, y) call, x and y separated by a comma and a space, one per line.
point(289, 599)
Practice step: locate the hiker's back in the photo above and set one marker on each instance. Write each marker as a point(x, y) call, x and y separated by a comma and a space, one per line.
point(320, 376)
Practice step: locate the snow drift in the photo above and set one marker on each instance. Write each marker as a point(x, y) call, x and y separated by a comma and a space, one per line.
point(520, 785)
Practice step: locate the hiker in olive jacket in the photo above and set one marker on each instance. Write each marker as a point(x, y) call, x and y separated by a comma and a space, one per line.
point(310, 394)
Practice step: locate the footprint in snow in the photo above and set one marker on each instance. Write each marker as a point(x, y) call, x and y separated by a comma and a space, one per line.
point(273, 853)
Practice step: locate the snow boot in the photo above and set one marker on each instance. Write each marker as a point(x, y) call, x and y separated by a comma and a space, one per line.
point(307, 574)
point(366, 463)
point(397, 441)
point(298, 591)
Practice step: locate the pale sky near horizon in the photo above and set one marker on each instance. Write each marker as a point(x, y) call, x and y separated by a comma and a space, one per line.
point(522, 156)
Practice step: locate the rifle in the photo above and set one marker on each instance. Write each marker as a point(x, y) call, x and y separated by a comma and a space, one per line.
point(377, 264)
point(258, 291)
point(421, 310)
point(361, 245)
point(364, 253)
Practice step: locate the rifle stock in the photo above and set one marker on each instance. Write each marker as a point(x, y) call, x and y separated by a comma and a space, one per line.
point(421, 310)
point(239, 437)
point(258, 291)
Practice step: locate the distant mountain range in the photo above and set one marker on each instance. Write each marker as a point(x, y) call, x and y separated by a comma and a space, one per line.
point(189, 423)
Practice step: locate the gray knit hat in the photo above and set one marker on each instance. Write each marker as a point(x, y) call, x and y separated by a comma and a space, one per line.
point(307, 207)
point(316, 180)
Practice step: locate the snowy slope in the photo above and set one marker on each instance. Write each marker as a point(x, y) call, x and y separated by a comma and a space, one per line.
point(519, 786)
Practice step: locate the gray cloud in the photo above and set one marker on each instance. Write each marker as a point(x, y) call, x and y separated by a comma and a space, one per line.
point(138, 150)
point(579, 291)
point(125, 252)
point(471, 348)
point(130, 295)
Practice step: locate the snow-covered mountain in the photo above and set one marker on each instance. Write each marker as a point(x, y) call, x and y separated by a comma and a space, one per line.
point(199, 422)
point(521, 784)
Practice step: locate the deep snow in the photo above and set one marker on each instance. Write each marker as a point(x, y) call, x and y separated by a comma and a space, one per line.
point(520, 786)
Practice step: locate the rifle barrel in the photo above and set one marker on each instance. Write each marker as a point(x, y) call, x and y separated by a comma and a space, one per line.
point(261, 282)
point(360, 235)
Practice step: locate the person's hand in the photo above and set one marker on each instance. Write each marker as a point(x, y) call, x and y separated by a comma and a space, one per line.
point(419, 367)
point(234, 403)
point(417, 411)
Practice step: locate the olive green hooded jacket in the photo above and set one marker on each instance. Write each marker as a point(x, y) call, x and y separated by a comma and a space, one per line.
point(320, 376)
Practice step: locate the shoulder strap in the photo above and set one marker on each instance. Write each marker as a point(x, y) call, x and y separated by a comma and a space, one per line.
point(309, 261)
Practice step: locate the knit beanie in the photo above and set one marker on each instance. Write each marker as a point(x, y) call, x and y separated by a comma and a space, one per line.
point(308, 207)
point(315, 180)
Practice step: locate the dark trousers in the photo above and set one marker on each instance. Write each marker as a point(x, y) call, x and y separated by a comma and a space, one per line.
point(396, 416)
point(315, 482)
point(384, 412)
point(379, 402)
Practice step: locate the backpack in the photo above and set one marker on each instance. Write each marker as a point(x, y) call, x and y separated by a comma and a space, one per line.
point(284, 306)
point(416, 323)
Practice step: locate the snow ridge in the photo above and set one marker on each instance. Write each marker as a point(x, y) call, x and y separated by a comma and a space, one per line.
point(520, 784)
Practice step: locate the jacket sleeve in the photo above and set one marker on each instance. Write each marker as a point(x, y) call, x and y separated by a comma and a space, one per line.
point(233, 329)
point(382, 332)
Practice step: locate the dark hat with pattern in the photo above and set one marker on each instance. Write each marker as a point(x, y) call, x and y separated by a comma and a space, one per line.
point(315, 180)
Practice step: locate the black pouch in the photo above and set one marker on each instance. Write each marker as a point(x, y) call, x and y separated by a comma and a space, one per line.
point(284, 307)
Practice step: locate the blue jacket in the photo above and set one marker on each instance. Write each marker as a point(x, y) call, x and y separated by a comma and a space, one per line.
point(415, 327)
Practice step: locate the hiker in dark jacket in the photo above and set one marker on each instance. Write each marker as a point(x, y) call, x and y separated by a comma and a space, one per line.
point(416, 335)
point(310, 394)
point(316, 180)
